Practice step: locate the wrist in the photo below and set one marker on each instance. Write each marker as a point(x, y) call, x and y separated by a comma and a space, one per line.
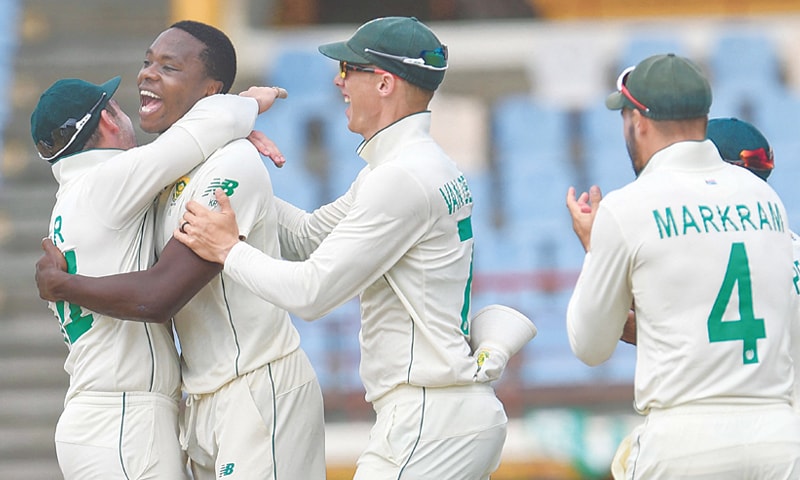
point(225, 252)
point(59, 284)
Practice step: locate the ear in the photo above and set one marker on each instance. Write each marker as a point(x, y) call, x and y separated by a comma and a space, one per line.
point(214, 87)
point(388, 83)
point(639, 121)
point(107, 123)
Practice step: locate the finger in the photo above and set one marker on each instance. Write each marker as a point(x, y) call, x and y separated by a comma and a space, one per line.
point(180, 235)
point(224, 201)
point(51, 250)
point(47, 244)
point(192, 210)
point(583, 203)
point(595, 195)
point(281, 92)
point(278, 160)
point(570, 197)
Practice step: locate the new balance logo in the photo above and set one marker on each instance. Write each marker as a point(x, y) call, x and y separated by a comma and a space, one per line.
point(225, 470)
point(227, 185)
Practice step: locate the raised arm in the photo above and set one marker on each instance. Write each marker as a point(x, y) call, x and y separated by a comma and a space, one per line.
point(152, 295)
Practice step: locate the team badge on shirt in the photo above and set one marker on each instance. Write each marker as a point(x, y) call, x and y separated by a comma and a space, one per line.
point(180, 186)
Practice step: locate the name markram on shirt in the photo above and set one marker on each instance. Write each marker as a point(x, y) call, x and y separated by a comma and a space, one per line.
point(700, 219)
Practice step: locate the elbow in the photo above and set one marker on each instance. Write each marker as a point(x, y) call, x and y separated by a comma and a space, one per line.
point(588, 354)
point(154, 313)
point(587, 350)
point(309, 313)
point(312, 308)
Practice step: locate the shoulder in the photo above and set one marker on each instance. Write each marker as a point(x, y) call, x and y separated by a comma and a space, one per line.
point(240, 146)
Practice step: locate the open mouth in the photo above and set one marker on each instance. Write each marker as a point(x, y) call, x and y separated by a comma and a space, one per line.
point(149, 101)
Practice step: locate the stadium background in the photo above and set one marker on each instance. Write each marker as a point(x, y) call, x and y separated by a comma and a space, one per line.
point(521, 112)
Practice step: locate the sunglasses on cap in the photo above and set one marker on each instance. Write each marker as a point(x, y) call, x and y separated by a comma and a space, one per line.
point(62, 137)
point(430, 59)
point(345, 67)
point(758, 159)
point(623, 77)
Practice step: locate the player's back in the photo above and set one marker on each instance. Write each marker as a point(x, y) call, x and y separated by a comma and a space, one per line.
point(711, 249)
point(106, 354)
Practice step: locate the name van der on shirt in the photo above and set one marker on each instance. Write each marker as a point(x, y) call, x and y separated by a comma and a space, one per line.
point(695, 219)
point(456, 194)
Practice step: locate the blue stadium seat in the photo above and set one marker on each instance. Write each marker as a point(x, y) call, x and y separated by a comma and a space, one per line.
point(778, 117)
point(331, 343)
point(548, 359)
point(340, 145)
point(745, 58)
point(305, 73)
point(288, 127)
point(640, 45)
point(310, 128)
point(605, 156)
point(532, 148)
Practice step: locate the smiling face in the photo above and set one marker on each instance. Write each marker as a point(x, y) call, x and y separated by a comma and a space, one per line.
point(362, 92)
point(172, 79)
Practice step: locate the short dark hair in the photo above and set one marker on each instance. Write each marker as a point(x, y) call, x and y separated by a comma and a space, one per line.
point(219, 55)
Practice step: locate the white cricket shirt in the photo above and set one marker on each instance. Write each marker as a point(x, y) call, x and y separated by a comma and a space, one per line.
point(103, 221)
point(226, 330)
point(703, 249)
point(406, 217)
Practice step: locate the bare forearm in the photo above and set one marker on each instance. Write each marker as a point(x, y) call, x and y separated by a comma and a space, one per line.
point(120, 296)
point(152, 295)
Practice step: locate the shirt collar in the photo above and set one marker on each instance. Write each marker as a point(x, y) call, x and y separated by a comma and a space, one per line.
point(379, 148)
point(79, 163)
point(688, 155)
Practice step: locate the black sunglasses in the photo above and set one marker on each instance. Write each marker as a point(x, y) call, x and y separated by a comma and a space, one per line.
point(344, 67)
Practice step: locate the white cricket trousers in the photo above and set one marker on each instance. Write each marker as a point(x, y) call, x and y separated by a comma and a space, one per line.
point(425, 433)
point(267, 424)
point(109, 436)
point(713, 442)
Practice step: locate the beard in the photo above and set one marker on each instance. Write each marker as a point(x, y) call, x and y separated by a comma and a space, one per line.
point(633, 150)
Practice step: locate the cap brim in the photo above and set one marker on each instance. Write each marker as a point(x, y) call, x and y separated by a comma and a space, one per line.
point(110, 87)
point(340, 51)
point(615, 101)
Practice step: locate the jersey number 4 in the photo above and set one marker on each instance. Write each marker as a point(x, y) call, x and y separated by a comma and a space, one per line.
point(747, 328)
point(78, 323)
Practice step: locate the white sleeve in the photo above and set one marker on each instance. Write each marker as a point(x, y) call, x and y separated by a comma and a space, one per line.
point(300, 232)
point(375, 233)
point(602, 297)
point(133, 178)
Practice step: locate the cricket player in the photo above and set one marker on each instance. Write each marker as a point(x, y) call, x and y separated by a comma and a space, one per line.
point(700, 247)
point(741, 143)
point(121, 408)
point(254, 408)
point(401, 239)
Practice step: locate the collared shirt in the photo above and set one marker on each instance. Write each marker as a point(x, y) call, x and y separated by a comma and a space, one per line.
point(405, 221)
point(702, 249)
point(226, 330)
point(103, 221)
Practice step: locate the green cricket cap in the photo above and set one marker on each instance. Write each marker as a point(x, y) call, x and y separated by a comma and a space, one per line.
point(663, 87)
point(742, 144)
point(61, 107)
point(403, 46)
